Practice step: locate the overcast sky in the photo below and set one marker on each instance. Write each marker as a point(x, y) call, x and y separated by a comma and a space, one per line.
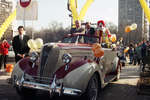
point(56, 10)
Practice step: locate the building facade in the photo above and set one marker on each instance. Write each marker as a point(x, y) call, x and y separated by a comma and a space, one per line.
point(130, 12)
point(6, 7)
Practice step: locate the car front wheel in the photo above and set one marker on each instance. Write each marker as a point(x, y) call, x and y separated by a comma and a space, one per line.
point(92, 92)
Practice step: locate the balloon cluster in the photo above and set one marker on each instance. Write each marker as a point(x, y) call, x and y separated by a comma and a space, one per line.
point(35, 45)
point(97, 50)
point(131, 28)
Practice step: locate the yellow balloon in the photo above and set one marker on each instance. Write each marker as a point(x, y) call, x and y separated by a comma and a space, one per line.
point(39, 43)
point(31, 44)
point(145, 8)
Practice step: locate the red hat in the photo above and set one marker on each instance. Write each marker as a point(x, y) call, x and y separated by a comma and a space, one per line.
point(101, 21)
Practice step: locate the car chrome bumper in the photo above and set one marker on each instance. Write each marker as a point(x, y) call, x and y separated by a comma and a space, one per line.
point(53, 88)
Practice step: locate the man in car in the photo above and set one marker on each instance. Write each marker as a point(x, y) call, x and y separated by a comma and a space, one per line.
point(19, 43)
point(89, 31)
point(78, 28)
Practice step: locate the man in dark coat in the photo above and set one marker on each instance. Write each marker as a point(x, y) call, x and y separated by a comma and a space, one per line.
point(19, 43)
point(90, 31)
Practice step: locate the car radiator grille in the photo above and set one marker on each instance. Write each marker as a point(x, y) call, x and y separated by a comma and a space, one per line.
point(44, 55)
point(49, 59)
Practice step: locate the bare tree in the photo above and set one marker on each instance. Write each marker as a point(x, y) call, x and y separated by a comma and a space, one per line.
point(53, 33)
point(112, 27)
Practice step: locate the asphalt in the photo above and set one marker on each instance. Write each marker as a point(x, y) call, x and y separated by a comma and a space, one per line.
point(124, 89)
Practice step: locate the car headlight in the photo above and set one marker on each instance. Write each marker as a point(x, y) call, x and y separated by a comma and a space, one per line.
point(34, 56)
point(66, 58)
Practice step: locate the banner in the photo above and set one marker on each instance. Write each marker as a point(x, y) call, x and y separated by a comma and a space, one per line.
point(145, 8)
point(7, 22)
point(28, 13)
point(84, 9)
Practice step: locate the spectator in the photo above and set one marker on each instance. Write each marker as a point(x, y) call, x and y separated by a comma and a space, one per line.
point(131, 53)
point(77, 28)
point(148, 48)
point(135, 55)
point(19, 43)
point(138, 52)
point(4, 46)
point(121, 41)
point(143, 53)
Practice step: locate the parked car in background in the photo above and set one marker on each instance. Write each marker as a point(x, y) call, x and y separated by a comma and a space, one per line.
point(67, 68)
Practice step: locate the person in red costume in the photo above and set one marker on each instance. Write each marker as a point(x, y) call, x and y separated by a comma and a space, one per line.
point(4, 46)
point(102, 31)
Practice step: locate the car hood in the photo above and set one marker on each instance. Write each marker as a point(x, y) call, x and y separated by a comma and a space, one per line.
point(51, 56)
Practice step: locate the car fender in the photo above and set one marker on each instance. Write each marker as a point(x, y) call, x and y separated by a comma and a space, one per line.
point(23, 67)
point(80, 77)
point(115, 64)
point(17, 73)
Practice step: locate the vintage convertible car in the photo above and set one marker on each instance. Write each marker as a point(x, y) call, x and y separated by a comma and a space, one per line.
point(67, 68)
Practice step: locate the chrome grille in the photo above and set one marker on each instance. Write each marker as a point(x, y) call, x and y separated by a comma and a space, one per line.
point(44, 55)
point(51, 63)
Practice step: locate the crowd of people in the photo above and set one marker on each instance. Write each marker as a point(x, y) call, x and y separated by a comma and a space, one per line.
point(138, 53)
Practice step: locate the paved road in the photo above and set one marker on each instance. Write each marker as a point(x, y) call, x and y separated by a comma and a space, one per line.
point(124, 89)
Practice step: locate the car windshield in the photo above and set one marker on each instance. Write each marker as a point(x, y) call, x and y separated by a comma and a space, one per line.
point(81, 39)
